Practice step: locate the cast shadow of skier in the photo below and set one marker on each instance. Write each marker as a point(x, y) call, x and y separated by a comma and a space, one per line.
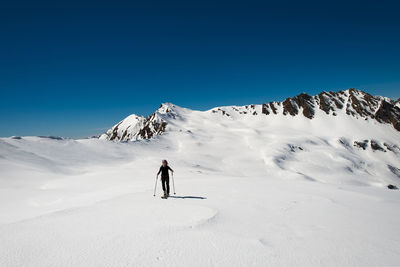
point(190, 197)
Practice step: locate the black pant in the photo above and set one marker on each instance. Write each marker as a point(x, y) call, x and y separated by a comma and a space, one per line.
point(165, 183)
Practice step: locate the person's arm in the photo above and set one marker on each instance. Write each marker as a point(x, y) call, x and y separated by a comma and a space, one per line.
point(171, 169)
point(158, 171)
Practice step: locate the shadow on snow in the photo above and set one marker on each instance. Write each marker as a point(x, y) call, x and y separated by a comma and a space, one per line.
point(184, 197)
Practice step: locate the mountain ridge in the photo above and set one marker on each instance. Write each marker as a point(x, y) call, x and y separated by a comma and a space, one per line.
point(350, 102)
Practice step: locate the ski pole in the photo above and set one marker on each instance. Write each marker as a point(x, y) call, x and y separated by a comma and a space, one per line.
point(155, 187)
point(173, 183)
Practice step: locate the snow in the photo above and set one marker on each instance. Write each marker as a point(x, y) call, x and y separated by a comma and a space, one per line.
point(130, 123)
point(251, 191)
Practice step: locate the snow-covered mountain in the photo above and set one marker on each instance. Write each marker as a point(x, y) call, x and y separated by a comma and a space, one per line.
point(352, 102)
point(303, 182)
point(348, 132)
point(138, 127)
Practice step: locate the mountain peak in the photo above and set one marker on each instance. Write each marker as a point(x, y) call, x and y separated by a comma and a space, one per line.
point(136, 127)
point(166, 108)
point(349, 103)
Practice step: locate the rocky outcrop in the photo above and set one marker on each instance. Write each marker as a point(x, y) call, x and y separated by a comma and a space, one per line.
point(350, 102)
point(392, 148)
point(138, 127)
point(376, 146)
point(302, 102)
point(388, 113)
point(393, 187)
point(361, 144)
point(152, 126)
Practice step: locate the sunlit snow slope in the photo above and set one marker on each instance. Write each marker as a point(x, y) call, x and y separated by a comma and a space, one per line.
point(293, 183)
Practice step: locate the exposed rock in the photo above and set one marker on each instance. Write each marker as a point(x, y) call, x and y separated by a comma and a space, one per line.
point(264, 109)
point(361, 103)
point(114, 134)
point(273, 108)
point(303, 101)
point(393, 187)
point(306, 102)
point(220, 110)
point(392, 148)
point(289, 107)
point(388, 113)
point(152, 128)
point(361, 144)
point(330, 102)
point(358, 104)
point(375, 146)
point(324, 102)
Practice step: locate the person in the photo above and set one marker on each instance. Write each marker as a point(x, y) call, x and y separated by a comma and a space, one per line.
point(164, 170)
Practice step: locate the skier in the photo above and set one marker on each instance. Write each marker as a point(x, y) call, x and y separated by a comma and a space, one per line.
point(165, 177)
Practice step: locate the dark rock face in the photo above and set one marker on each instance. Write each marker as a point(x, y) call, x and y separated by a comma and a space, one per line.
point(273, 108)
point(392, 148)
point(303, 101)
point(333, 101)
point(381, 109)
point(389, 113)
point(153, 125)
point(355, 103)
point(361, 103)
point(264, 109)
point(361, 144)
point(152, 128)
point(376, 146)
point(222, 111)
point(115, 132)
point(329, 102)
point(393, 187)
point(270, 108)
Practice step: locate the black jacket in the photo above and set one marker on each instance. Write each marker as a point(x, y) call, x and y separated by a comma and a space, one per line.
point(164, 171)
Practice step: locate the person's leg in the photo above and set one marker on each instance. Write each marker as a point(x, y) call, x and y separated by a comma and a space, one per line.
point(163, 184)
point(167, 183)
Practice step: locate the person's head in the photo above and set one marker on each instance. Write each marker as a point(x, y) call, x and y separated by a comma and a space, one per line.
point(164, 162)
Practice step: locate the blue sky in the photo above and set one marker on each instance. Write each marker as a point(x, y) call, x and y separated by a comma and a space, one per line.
point(76, 68)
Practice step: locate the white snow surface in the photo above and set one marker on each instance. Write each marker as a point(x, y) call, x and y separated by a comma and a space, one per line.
point(250, 191)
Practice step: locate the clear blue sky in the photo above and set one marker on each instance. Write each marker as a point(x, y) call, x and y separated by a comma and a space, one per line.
point(75, 68)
